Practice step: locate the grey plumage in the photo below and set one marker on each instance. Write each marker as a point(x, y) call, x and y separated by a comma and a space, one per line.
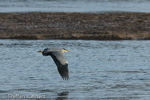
point(61, 62)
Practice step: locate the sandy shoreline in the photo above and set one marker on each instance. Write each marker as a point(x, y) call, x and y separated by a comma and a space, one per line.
point(86, 26)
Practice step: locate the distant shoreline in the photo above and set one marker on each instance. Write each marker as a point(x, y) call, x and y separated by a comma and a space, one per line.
point(75, 26)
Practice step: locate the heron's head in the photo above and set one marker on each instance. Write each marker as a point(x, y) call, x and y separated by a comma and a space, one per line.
point(45, 52)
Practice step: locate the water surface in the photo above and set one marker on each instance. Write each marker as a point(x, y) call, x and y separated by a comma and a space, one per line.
point(106, 70)
point(74, 5)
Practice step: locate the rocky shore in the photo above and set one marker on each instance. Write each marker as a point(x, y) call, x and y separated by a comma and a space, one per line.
point(86, 26)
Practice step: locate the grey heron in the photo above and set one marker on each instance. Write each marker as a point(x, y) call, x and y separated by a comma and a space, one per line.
point(61, 62)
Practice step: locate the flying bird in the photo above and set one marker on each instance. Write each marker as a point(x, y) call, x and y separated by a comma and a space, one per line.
point(61, 62)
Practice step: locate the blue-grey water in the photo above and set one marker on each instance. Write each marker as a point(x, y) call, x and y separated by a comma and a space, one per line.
point(99, 70)
point(74, 6)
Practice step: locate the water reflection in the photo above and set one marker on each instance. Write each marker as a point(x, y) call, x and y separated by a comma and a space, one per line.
point(62, 95)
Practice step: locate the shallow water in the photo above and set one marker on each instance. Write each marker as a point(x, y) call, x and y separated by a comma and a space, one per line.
point(74, 5)
point(106, 70)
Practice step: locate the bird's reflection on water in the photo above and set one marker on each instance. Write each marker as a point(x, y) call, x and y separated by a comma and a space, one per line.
point(62, 96)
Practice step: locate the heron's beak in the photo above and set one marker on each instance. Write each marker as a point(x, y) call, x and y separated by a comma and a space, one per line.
point(67, 51)
point(40, 51)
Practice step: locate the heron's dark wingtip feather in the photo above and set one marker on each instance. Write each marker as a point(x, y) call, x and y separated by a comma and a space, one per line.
point(65, 78)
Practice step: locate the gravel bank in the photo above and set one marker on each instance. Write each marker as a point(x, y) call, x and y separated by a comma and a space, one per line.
point(86, 26)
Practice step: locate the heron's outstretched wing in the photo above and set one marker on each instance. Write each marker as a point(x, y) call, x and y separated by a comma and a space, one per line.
point(63, 71)
point(62, 64)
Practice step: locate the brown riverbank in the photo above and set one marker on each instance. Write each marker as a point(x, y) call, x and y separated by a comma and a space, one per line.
point(105, 26)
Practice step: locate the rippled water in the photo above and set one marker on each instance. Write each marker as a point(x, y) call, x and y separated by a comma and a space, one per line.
point(106, 70)
point(74, 5)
